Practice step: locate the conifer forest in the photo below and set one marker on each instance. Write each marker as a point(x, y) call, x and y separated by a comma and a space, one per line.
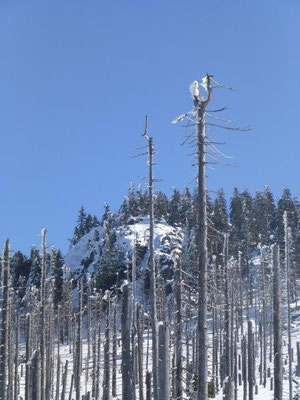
point(192, 296)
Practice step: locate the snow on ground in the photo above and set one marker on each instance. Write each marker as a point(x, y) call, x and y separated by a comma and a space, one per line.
point(165, 235)
point(86, 378)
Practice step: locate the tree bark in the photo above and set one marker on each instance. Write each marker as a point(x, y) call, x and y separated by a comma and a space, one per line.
point(277, 325)
point(164, 361)
point(4, 322)
point(200, 107)
point(127, 390)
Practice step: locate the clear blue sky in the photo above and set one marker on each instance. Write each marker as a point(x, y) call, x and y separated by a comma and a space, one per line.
point(78, 76)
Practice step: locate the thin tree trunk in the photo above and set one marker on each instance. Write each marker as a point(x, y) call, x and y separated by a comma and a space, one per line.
point(178, 332)
point(200, 107)
point(250, 360)
point(43, 316)
point(152, 268)
point(64, 381)
point(4, 322)
point(164, 361)
point(127, 392)
point(114, 350)
point(288, 293)
point(35, 376)
point(16, 357)
point(106, 372)
point(277, 326)
point(140, 331)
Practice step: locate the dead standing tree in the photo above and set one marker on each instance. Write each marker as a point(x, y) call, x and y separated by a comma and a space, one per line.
point(288, 295)
point(277, 325)
point(4, 322)
point(43, 315)
point(204, 146)
point(200, 110)
point(152, 265)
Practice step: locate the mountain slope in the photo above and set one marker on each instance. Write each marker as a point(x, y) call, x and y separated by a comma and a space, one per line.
point(84, 257)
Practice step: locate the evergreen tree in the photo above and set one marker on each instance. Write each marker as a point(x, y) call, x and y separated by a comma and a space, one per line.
point(20, 268)
point(236, 220)
point(264, 210)
point(186, 206)
point(96, 222)
point(142, 199)
point(88, 224)
point(81, 221)
point(111, 259)
point(220, 224)
point(248, 217)
point(58, 276)
point(288, 204)
point(96, 235)
point(124, 212)
point(160, 205)
point(80, 229)
point(132, 202)
point(220, 215)
point(106, 215)
point(174, 217)
point(35, 268)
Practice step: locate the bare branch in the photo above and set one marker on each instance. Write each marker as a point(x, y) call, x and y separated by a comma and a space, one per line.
point(246, 129)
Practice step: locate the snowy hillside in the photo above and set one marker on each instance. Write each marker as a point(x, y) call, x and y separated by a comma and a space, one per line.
point(84, 256)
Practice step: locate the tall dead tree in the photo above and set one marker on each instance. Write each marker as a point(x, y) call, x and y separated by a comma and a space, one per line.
point(140, 331)
point(114, 347)
point(127, 390)
point(288, 296)
point(16, 357)
point(43, 316)
point(200, 109)
point(152, 265)
point(163, 361)
point(197, 118)
point(106, 367)
point(78, 353)
point(178, 333)
point(277, 325)
point(5, 314)
point(227, 310)
point(27, 356)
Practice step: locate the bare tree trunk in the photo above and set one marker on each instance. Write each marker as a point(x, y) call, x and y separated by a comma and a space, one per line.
point(64, 381)
point(288, 294)
point(200, 107)
point(148, 385)
point(127, 390)
point(114, 350)
point(178, 333)
point(227, 313)
point(250, 360)
point(152, 268)
point(277, 326)
point(244, 367)
point(35, 376)
point(140, 331)
point(78, 354)
point(163, 361)
point(298, 360)
point(28, 351)
point(264, 322)
point(97, 349)
point(43, 315)
point(106, 372)
point(16, 357)
point(4, 322)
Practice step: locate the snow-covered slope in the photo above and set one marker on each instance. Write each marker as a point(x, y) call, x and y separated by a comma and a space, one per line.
point(84, 256)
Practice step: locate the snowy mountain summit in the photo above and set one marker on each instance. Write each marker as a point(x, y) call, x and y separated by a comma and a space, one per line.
point(88, 256)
